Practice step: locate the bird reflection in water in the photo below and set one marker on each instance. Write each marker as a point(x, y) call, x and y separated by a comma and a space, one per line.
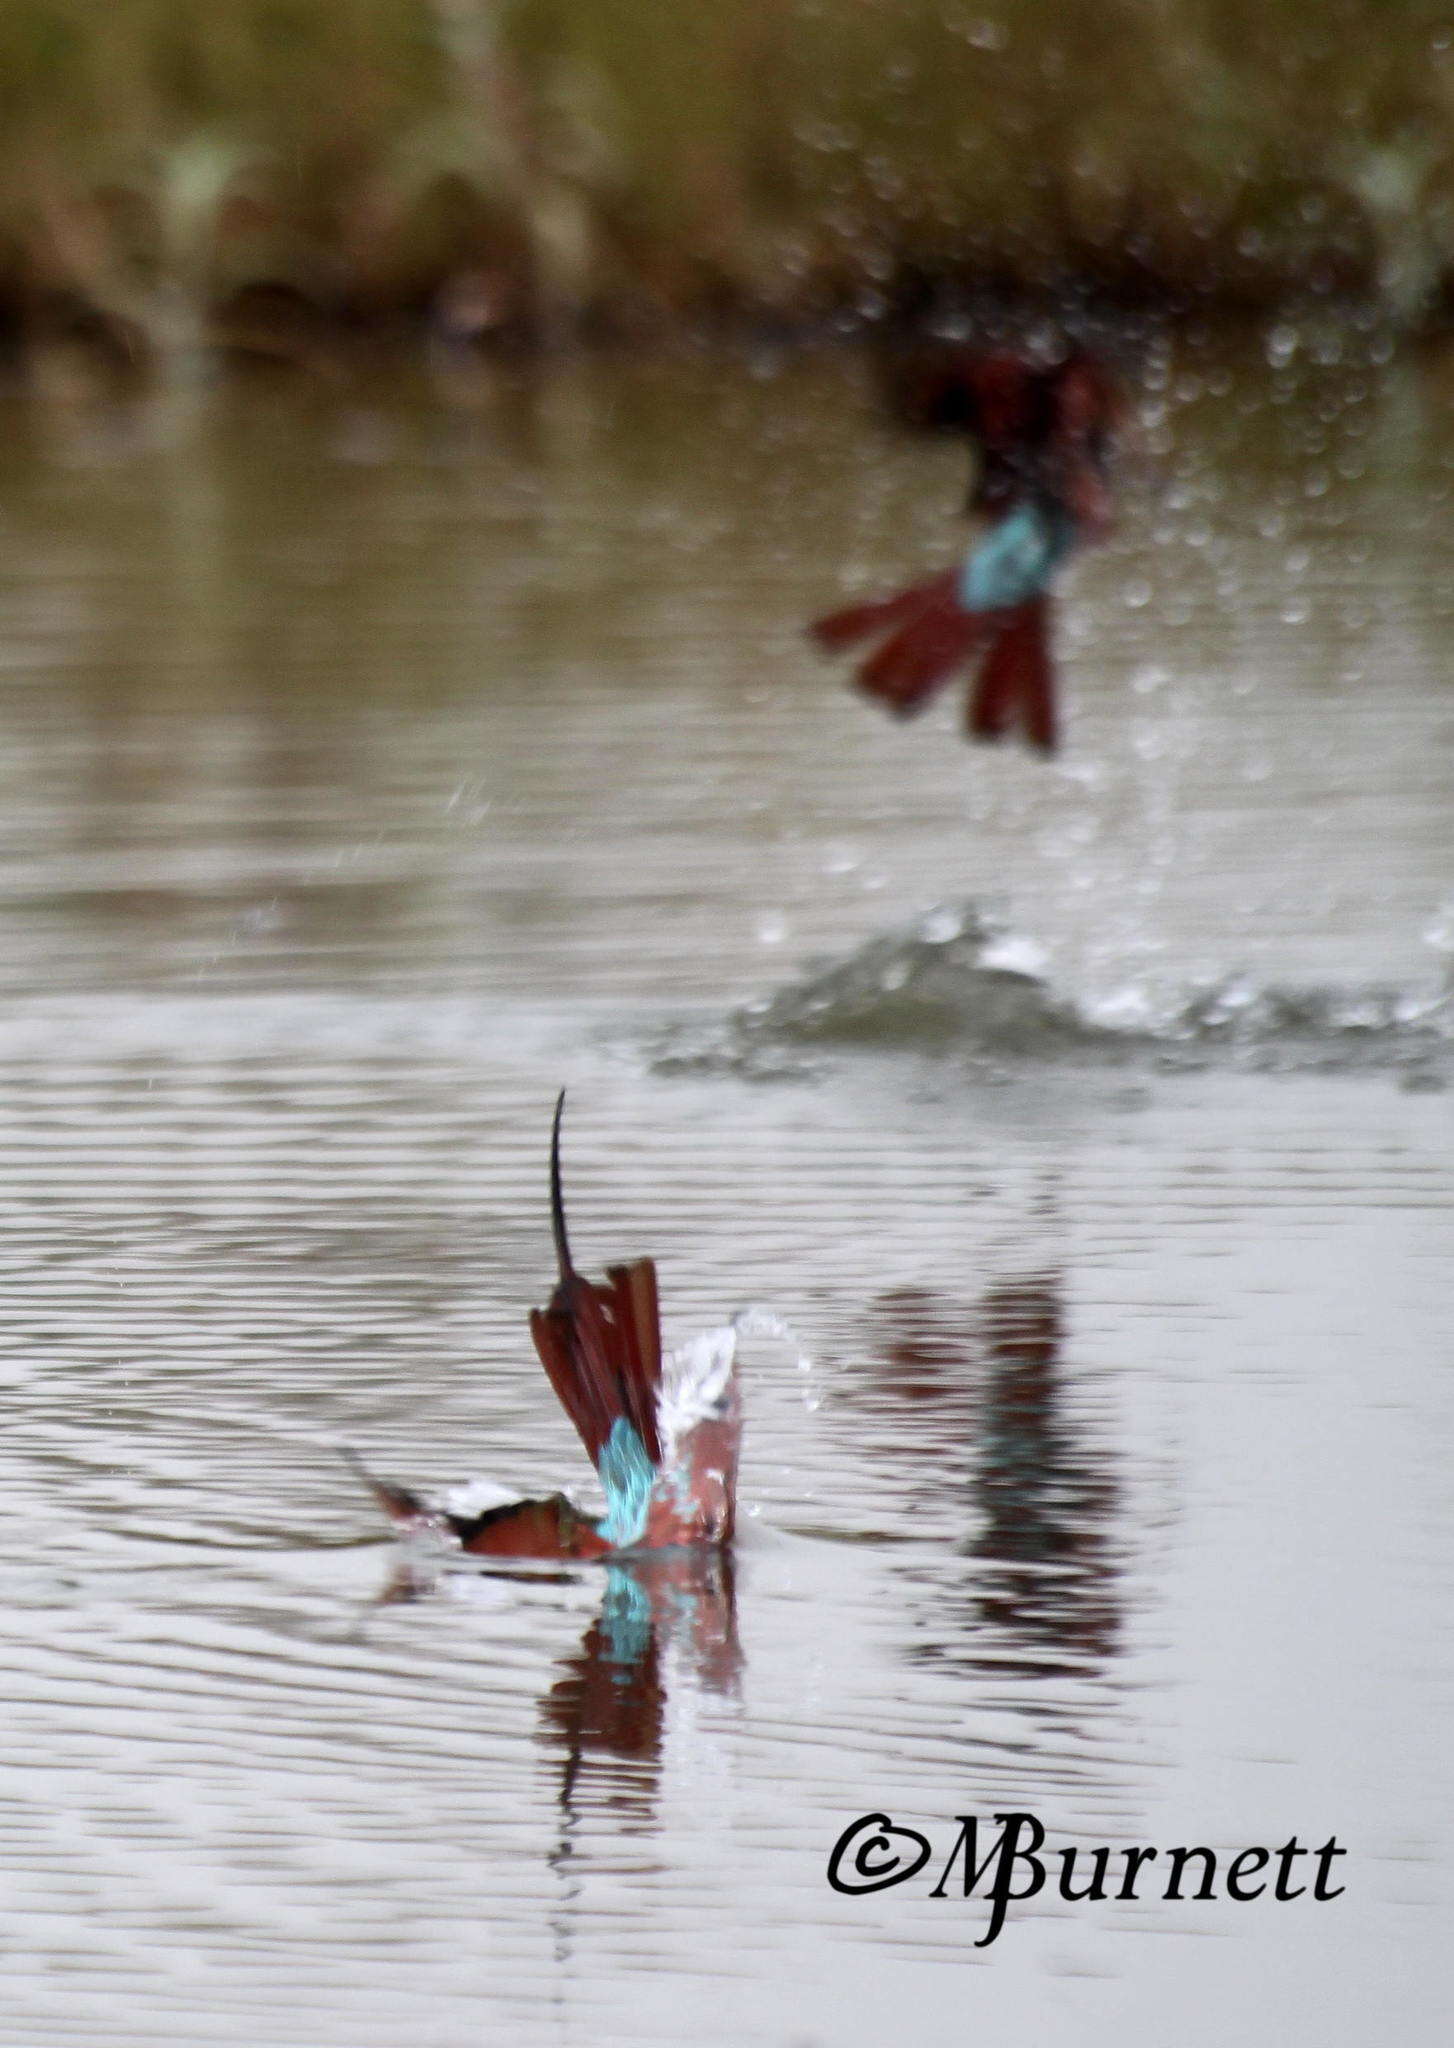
point(1046, 1493)
point(669, 1619)
point(993, 1425)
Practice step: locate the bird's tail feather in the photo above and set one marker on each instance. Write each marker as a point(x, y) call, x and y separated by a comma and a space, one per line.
point(600, 1345)
point(924, 634)
point(838, 630)
point(915, 662)
point(1018, 679)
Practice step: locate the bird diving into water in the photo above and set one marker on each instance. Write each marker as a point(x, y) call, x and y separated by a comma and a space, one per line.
point(1042, 432)
point(662, 1431)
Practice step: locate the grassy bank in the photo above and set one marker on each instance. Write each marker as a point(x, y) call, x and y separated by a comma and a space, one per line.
point(518, 165)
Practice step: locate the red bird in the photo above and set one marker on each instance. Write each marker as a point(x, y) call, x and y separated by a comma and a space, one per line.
point(663, 1433)
point(1042, 434)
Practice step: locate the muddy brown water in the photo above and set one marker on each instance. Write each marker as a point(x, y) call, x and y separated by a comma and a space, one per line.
point(371, 764)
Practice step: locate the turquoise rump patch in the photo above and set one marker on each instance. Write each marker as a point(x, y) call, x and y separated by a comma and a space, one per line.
point(627, 1475)
point(1016, 558)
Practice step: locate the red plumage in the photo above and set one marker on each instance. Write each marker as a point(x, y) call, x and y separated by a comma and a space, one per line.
point(841, 629)
point(914, 663)
point(930, 636)
point(1017, 677)
point(601, 1349)
point(1042, 432)
point(600, 1345)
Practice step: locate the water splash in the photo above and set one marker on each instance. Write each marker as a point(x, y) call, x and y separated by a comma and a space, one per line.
point(477, 1497)
point(695, 1379)
point(960, 981)
point(697, 1374)
point(957, 974)
point(756, 1321)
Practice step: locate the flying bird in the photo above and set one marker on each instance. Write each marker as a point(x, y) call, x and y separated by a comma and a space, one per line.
point(662, 1431)
point(1042, 432)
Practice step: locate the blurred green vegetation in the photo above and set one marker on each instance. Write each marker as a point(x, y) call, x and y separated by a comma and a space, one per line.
point(522, 164)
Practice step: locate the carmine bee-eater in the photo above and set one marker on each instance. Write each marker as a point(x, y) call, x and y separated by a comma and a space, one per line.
point(662, 1432)
point(1042, 433)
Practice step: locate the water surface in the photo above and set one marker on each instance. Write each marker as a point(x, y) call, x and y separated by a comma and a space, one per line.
point(373, 764)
